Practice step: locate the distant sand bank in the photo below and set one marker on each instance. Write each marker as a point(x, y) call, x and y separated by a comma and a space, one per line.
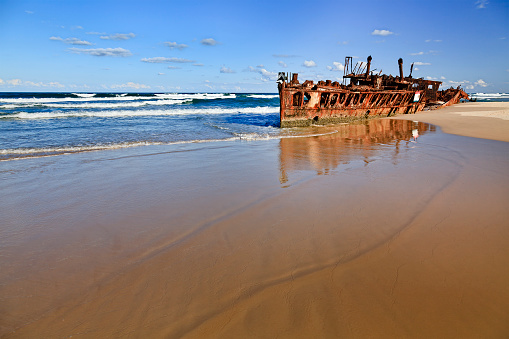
point(362, 232)
point(487, 120)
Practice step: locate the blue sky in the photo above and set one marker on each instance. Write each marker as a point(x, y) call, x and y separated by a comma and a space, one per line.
point(239, 46)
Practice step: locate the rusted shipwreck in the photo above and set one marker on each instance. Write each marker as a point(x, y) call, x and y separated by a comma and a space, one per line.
point(366, 95)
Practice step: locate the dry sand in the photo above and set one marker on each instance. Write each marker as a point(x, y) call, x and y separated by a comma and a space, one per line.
point(487, 120)
point(361, 233)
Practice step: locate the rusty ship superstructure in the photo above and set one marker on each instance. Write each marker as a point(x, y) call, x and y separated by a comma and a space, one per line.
point(367, 95)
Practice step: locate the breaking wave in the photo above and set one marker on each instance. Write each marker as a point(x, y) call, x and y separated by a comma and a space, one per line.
point(198, 96)
point(489, 96)
point(43, 124)
point(263, 96)
point(84, 95)
point(101, 105)
point(140, 113)
point(83, 100)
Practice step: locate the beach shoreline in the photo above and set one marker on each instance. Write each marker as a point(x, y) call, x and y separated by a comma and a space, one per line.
point(486, 120)
point(358, 230)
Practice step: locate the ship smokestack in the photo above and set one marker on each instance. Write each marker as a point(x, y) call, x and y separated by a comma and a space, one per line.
point(400, 63)
point(369, 66)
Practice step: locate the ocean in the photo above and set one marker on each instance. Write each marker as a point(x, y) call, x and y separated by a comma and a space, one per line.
point(49, 124)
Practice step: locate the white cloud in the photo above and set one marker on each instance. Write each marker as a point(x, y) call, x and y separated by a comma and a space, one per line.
point(481, 3)
point(481, 83)
point(381, 32)
point(130, 85)
point(118, 36)
point(54, 84)
point(173, 45)
point(336, 66)
point(309, 63)
point(209, 42)
point(29, 12)
point(161, 60)
point(14, 82)
point(226, 70)
point(419, 63)
point(116, 52)
point(260, 66)
point(266, 75)
point(76, 41)
point(442, 78)
point(174, 67)
point(19, 82)
point(160, 73)
point(71, 41)
point(197, 64)
point(430, 40)
point(282, 64)
point(464, 83)
point(418, 53)
point(33, 84)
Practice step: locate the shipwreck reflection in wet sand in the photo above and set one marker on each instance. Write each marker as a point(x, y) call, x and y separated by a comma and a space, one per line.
point(349, 142)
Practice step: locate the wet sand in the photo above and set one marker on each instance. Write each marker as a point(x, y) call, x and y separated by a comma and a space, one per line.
point(487, 120)
point(361, 232)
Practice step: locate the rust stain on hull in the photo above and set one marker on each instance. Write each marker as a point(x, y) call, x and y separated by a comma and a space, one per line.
point(367, 96)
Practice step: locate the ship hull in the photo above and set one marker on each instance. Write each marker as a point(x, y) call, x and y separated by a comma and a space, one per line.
point(321, 106)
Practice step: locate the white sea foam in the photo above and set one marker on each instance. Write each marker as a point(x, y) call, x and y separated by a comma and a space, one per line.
point(139, 113)
point(253, 136)
point(85, 95)
point(71, 149)
point(490, 95)
point(40, 101)
point(90, 101)
point(30, 153)
point(86, 103)
point(202, 96)
point(263, 96)
point(102, 105)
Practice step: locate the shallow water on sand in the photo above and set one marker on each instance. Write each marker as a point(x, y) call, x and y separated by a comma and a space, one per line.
point(292, 237)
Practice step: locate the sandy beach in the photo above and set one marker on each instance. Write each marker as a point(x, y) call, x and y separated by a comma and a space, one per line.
point(486, 120)
point(355, 231)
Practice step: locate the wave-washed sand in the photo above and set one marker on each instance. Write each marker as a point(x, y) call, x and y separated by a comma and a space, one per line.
point(487, 120)
point(362, 233)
